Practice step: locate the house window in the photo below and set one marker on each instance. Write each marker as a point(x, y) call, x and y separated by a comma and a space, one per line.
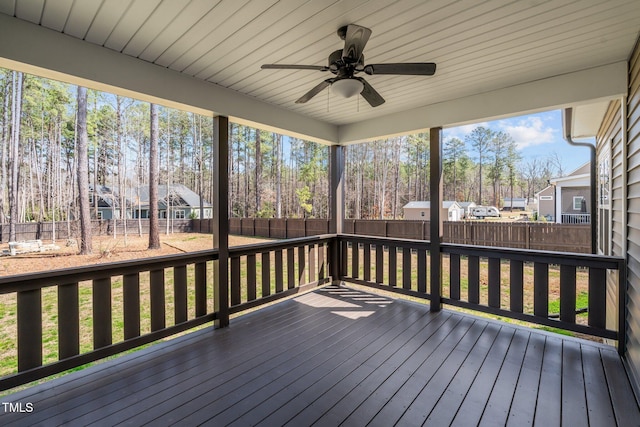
point(577, 203)
point(179, 214)
point(422, 213)
point(546, 197)
point(604, 199)
point(604, 178)
point(99, 215)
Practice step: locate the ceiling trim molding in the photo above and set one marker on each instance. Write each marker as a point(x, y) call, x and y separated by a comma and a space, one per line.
point(38, 50)
point(586, 86)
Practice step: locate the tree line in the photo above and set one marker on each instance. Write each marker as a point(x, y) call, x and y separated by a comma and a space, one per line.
point(382, 176)
point(58, 141)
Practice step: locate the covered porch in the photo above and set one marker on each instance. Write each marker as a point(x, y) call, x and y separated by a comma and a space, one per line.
point(339, 355)
point(343, 356)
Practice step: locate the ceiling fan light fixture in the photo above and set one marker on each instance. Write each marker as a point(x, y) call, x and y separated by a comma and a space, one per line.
point(347, 87)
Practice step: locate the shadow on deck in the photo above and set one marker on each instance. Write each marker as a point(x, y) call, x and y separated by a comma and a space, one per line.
point(339, 355)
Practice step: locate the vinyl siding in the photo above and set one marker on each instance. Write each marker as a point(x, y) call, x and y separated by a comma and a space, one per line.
point(610, 138)
point(633, 225)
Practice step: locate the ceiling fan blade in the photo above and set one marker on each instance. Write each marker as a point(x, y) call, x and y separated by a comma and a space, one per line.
point(294, 67)
point(354, 43)
point(316, 90)
point(407, 69)
point(369, 93)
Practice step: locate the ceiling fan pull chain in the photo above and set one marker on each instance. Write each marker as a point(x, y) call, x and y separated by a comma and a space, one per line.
point(328, 91)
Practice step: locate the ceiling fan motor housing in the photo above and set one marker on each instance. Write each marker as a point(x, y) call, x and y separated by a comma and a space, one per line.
point(337, 65)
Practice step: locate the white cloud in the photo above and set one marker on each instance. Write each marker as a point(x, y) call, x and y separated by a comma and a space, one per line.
point(529, 131)
point(461, 132)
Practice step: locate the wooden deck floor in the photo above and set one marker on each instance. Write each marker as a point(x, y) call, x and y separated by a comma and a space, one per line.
point(339, 356)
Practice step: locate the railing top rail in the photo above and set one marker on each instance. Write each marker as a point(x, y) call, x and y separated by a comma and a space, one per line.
point(550, 257)
point(27, 281)
point(411, 243)
point(279, 244)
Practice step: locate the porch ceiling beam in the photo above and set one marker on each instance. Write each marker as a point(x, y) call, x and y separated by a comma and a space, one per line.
point(600, 83)
point(33, 49)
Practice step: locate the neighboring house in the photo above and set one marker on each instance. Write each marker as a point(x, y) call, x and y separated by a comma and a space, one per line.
point(546, 203)
point(466, 207)
point(571, 196)
point(104, 202)
point(519, 203)
point(420, 210)
point(176, 201)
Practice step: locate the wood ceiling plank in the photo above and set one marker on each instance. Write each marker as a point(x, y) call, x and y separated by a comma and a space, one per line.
point(8, 7)
point(30, 10)
point(542, 32)
point(178, 27)
point(138, 12)
point(154, 25)
point(223, 31)
point(106, 20)
point(55, 14)
point(182, 52)
point(244, 44)
point(81, 16)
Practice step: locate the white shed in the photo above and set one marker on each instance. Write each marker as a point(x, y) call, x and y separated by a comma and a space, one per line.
point(466, 207)
point(421, 211)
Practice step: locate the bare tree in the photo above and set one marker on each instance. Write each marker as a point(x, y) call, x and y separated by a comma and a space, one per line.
point(16, 113)
point(278, 146)
point(83, 174)
point(480, 140)
point(154, 167)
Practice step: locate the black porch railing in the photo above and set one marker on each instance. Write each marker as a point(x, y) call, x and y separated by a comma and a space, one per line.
point(181, 292)
point(496, 280)
point(180, 297)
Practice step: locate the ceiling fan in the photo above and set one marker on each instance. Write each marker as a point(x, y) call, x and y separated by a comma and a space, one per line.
point(345, 63)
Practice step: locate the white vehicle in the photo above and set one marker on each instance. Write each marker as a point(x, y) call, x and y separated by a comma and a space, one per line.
point(483, 212)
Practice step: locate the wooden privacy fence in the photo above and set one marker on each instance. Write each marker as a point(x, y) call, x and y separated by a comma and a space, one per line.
point(279, 228)
point(519, 235)
point(103, 227)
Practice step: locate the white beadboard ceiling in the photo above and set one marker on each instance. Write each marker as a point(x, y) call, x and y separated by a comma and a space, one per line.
point(479, 46)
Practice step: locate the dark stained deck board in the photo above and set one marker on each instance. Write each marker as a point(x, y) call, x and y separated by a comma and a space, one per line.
point(327, 393)
point(548, 409)
point(227, 374)
point(598, 400)
point(433, 389)
point(574, 399)
point(334, 349)
point(341, 355)
point(624, 403)
point(138, 378)
point(297, 395)
point(523, 405)
point(446, 340)
point(475, 398)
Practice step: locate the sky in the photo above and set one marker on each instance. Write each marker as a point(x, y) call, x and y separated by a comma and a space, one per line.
point(537, 135)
